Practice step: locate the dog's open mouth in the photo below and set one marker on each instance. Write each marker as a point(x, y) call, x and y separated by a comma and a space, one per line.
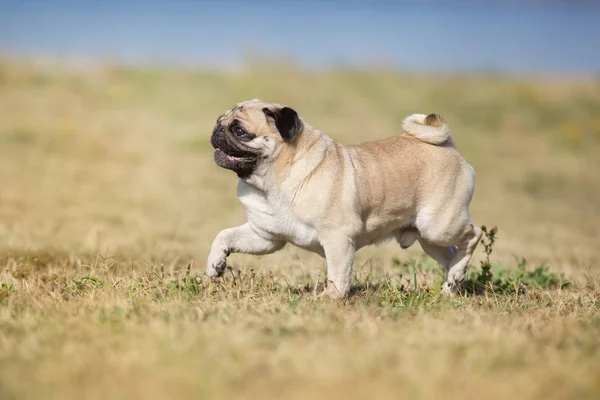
point(237, 157)
point(232, 158)
point(240, 163)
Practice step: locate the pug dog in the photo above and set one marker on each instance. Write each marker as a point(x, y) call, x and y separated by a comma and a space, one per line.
point(300, 186)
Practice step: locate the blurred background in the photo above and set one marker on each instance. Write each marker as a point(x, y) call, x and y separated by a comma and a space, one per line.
point(106, 108)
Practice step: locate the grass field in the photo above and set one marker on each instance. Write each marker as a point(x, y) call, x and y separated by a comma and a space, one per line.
point(109, 201)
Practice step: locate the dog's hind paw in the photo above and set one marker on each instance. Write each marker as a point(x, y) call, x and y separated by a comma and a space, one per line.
point(216, 266)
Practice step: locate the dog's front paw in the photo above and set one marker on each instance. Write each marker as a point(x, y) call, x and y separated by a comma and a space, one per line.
point(332, 293)
point(216, 265)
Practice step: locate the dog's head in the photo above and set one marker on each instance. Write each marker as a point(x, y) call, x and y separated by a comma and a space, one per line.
point(252, 132)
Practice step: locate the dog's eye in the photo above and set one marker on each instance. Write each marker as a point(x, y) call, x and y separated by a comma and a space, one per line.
point(238, 130)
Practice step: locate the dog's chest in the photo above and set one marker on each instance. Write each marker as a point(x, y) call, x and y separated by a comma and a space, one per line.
point(274, 216)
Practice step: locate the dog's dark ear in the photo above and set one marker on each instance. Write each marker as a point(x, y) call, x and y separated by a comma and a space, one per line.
point(287, 122)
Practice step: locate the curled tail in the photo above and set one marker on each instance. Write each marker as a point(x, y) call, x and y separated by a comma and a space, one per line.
point(427, 128)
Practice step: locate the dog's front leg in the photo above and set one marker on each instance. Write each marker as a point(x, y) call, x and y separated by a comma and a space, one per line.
point(339, 253)
point(241, 239)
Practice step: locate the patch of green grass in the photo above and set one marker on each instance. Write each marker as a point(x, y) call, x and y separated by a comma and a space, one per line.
point(492, 278)
point(86, 282)
point(512, 281)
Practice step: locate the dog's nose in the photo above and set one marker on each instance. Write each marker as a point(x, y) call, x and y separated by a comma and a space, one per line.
point(218, 129)
point(217, 136)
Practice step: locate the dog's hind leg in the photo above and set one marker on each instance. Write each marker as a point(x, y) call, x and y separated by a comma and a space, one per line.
point(460, 261)
point(442, 254)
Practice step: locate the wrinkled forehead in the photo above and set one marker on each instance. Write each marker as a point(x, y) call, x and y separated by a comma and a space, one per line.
point(245, 110)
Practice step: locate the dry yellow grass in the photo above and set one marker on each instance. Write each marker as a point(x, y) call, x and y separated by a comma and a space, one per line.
point(108, 192)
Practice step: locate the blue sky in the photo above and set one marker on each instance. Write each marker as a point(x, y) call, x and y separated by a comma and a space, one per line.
point(510, 36)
